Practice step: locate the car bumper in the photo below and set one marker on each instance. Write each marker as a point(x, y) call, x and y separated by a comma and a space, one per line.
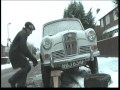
point(81, 58)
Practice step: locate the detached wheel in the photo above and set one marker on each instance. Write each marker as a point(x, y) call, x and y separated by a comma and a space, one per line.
point(97, 80)
point(45, 70)
point(93, 66)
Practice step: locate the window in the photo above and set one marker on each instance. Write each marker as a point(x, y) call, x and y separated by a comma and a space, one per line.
point(102, 24)
point(107, 19)
point(115, 14)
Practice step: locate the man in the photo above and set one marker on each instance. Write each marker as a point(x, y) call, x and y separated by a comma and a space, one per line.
point(18, 53)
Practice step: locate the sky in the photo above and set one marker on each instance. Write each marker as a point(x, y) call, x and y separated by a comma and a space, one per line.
point(40, 12)
point(107, 65)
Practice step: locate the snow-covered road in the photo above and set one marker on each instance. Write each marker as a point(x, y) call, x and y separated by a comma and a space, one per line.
point(108, 65)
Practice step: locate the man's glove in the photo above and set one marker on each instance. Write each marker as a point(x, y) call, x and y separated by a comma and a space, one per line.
point(35, 62)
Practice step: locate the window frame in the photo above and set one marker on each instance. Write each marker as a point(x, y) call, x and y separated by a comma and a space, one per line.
point(107, 19)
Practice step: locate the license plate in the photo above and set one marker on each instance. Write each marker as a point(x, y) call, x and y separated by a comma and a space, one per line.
point(72, 64)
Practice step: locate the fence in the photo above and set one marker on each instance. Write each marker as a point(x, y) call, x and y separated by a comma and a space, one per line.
point(108, 47)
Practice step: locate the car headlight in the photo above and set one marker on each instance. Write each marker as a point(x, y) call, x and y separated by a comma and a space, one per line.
point(91, 36)
point(47, 44)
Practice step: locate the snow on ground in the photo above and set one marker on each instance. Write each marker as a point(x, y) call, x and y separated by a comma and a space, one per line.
point(6, 66)
point(108, 65)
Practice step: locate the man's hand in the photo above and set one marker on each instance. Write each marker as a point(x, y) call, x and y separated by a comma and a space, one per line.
point(35, 62)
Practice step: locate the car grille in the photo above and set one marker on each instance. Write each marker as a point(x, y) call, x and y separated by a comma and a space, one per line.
point(58, 54)
point(70, 47)
point(70, 43)
point(84, 49)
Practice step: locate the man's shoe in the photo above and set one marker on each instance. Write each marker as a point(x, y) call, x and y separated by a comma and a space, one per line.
point(12, 83)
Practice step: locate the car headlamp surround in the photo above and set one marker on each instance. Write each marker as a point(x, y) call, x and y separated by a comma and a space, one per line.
point(91, 35)
point(47, 44)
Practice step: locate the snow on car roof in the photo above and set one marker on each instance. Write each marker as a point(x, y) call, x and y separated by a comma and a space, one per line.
point(64, 19)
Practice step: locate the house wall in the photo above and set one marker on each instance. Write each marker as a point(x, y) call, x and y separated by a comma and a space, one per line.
point(112, 21)
point(99, 30)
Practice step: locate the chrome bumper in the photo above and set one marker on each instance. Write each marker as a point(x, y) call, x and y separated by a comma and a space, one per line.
point(83, 57)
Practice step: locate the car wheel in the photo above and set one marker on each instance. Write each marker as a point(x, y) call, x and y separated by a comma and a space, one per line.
point(93, 65)
point(45, 70)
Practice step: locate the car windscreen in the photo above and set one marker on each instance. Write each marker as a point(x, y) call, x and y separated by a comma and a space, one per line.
point(59, 26)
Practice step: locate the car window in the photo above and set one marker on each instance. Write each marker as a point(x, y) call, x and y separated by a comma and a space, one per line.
point(59, 26)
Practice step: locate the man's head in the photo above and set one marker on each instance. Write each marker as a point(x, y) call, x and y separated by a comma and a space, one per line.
point(29, 27)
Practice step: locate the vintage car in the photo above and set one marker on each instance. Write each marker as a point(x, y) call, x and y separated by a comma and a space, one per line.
point(67, 45)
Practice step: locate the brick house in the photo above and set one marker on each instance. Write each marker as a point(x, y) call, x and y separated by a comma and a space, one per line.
point(108, 27)
point(109, 23)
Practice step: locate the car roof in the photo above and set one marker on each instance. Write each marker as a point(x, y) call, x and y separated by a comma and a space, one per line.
point(64, 19)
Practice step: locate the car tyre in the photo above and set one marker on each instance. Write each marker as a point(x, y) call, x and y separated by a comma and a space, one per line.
point(93, 65)
point(45, 70)
point(97, 80)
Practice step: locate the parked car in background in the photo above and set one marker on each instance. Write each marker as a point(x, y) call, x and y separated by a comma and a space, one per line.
point(67, 45)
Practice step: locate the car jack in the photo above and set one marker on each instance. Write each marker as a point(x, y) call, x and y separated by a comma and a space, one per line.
point(56, 81)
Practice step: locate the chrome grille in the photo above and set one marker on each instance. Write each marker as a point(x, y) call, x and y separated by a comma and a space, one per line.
point(84, 49)
point(58, 54)
point(70, 43)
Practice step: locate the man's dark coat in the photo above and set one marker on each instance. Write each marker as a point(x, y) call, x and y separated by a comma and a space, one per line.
point(19, 50)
